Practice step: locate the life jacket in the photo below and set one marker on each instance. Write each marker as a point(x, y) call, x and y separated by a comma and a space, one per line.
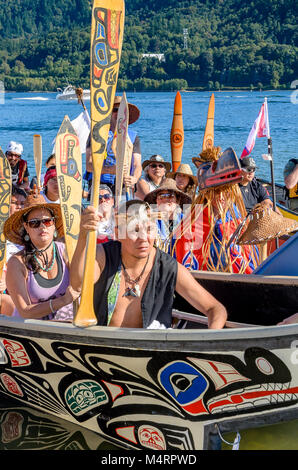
point(22, 169)
point(293, 192)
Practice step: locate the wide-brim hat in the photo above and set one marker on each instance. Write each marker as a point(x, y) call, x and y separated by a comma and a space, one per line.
point(265, 224)
point(14, 224)
point(134, 112)
point(168, 184)
point(183, 169)
point(156, 159)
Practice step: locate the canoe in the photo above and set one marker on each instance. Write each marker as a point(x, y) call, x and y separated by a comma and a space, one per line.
point(179, 385)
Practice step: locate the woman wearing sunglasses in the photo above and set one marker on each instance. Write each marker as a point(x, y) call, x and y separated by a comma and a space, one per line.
point(37, 277)
point(155, 170)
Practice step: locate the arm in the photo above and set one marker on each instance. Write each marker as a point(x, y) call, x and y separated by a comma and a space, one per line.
point(142, 189)
point(199, 298)
point(292, 179)
point(89, 221)
point(131, 180)
point(16, 280)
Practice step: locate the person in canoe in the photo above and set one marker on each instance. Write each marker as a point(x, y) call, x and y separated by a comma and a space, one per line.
point(50, 190)
point(170, 202)
point(291, 183)
point(19, 167)
point(155, 170)
point(37, 277)
point(134, 282)
point(185, 179)
point(108, 174)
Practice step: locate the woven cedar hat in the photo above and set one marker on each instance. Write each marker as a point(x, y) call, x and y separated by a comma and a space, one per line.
point(13, 226)
point(265, 225)
point(183, 169)
point(156, 159)
point(134, 112)
point(168, 184)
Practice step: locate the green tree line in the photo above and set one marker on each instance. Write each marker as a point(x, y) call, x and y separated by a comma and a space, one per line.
point(209, 44)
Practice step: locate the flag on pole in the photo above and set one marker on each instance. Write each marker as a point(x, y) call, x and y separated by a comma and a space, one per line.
point(260, 128)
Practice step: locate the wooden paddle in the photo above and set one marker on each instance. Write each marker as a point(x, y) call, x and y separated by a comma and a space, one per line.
point(37, 150)
point(177, 133)
point(69, 175)
point(208, 141)
point(106, 44)
point(5, 196)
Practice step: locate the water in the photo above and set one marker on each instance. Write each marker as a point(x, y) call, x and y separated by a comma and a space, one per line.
point(24, 114)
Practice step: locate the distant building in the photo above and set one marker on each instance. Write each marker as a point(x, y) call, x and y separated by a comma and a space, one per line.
point(160, 57)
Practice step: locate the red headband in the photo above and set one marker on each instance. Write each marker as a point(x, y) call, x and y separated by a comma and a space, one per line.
point(50, 174)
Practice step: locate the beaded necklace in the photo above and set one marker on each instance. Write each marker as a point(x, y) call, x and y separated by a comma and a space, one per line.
point(47, 266)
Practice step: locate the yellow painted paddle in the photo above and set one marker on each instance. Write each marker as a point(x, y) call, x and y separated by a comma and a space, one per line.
point(107, 29)
point(69, 174)
point(5, 195)
point(37, 150)
point(208, 141)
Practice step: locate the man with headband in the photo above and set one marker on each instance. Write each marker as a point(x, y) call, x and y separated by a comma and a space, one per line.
point(134, 282)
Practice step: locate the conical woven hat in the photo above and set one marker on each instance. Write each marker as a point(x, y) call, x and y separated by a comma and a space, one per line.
point(14, 224)
point(265, 225)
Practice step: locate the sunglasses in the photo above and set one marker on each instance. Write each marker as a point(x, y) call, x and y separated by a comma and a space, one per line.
point(36, 223)
point(156, 165)
point(107, 197)
point(249, 170)
point(13, 155)
point(166, 195)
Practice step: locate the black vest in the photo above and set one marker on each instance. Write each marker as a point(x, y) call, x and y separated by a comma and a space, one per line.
point(157, 300)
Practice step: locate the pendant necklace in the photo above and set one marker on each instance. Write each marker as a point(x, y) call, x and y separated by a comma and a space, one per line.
point(135, 290)
point(46, 262)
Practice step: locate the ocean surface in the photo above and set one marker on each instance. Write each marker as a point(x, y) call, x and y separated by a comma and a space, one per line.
point(24, 114)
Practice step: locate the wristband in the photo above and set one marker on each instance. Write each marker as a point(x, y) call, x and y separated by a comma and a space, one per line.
point(51, 306)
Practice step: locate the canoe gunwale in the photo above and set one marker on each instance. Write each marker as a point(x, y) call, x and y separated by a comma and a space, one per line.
point(196, 340)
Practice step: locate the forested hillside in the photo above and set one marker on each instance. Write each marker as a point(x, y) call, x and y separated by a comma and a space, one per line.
point(206, 44)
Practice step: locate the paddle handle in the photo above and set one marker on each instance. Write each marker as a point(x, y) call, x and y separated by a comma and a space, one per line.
point(37, 149)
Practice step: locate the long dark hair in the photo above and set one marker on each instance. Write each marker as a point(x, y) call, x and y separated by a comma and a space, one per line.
point(29, 249)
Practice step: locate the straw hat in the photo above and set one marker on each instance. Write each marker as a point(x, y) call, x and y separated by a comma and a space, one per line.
point(183, 169)
point(265, 225)
point(168, 184)
point(134, 112)
point(14, 224)
point(156, 159)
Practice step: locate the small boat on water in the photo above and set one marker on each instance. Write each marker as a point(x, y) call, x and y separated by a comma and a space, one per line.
point(69, 93)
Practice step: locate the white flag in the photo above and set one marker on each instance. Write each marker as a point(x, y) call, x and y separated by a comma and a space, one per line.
point(82, 126)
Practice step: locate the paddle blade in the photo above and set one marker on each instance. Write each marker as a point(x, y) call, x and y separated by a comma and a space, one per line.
point(37, 150)
point(121, 143)
point(208, 141)
point(69, 174)
point(177, 133)
point(107, 29)
point(5, 196)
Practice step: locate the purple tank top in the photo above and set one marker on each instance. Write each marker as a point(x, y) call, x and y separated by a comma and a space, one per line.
point(41, 289)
